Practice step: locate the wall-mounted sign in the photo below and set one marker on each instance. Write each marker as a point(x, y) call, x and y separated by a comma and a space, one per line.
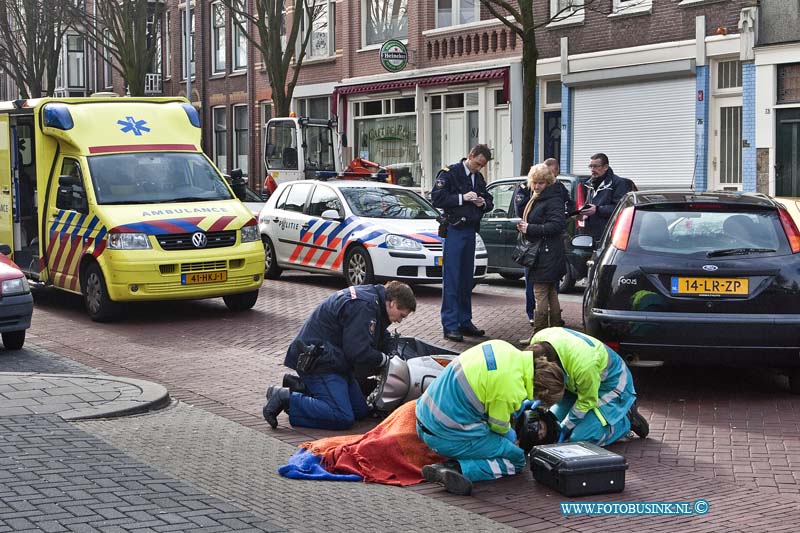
point(394, 55)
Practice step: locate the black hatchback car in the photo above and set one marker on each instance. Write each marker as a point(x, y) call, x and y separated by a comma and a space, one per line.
point(698, 277)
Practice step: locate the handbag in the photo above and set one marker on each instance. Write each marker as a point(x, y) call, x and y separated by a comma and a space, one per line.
point(526, 253)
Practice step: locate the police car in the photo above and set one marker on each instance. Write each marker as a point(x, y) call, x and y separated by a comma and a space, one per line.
point(362, 230)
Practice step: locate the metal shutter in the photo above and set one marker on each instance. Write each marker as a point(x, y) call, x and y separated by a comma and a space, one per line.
point(646, 129)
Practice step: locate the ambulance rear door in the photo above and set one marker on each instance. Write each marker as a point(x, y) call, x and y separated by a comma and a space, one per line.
point(6, 183)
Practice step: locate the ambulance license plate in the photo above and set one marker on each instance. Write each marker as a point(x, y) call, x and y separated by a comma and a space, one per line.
point(196, 278)
point(711, 286)
point(438, 260)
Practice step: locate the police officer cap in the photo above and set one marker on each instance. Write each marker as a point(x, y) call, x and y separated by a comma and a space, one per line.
point(536, 426)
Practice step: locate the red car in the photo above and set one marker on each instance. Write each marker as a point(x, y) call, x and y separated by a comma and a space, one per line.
point(16, 302)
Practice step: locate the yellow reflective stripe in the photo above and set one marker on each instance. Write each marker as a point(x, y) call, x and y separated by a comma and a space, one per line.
point(600, 416)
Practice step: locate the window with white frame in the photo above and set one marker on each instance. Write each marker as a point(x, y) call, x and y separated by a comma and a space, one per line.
point(218, 37)
point(220, 119)
point(239, 42)
point(108, 70)
point(241, 138)
point(266, 114)
point(318, 107)
point(453, 12)
point(385, 19)
point(321, 43)
point(566, 11)
point(154, 40)
point(191, 68)
point(622, 7)
point(729, 75)
point(76, 58)
point(168, 45)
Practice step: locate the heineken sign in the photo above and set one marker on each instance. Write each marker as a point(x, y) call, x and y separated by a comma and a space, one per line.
point(394, 55)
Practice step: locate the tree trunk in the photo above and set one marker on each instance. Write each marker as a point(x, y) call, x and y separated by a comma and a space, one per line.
point(529, 57)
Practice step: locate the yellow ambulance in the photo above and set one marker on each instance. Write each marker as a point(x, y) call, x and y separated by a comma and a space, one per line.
point(112, 198)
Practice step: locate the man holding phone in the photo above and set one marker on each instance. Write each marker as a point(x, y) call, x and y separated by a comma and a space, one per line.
point(603, 191)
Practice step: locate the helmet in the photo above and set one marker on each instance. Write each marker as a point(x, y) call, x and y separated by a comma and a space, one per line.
point(536, 426)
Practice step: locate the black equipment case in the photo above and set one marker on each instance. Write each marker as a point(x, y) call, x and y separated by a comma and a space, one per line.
point(578, 468)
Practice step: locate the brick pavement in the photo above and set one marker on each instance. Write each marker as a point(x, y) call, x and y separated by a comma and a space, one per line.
point(723, 431)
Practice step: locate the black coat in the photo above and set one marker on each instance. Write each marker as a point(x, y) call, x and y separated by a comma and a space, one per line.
point(451, 184)
point(605, 194)
point(547, 223)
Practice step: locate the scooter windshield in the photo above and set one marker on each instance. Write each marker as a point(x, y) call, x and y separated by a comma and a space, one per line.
point(152, 178)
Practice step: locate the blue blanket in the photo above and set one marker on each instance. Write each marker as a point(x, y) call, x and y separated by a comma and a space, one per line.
point(305, 465)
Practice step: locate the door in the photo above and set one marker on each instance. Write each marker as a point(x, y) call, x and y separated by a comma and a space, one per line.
point(551, 128)
point(68, 217)
point(726, 163)
point(7, 164)
point(503, 166)
point(283, 157)
point(499, 227)
point(289, 220)
point(454, 141)
point(787, 153)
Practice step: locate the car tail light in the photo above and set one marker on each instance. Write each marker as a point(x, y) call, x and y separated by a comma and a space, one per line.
point(269, 184)
point(580, 201)
point(622, 229)
point(790, 228)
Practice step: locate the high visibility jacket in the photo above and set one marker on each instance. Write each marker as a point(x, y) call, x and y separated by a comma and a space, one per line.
point(585, 361)
point(478, 391)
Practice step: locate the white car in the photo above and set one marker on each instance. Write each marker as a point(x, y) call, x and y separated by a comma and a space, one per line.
point(362, 230)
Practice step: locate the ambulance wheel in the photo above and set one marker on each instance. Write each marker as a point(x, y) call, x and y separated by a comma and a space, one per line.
point(13, 340)
point(242, 301)
point(271, 268)
point(358, 267)
point(99, 305)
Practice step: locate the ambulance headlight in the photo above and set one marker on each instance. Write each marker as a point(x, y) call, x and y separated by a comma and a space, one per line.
point(250, 233)
point(128, 241)
point(479, 246)
point(398, 242)
point(15, 286)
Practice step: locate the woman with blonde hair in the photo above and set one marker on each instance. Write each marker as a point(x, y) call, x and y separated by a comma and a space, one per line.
point(543, 222)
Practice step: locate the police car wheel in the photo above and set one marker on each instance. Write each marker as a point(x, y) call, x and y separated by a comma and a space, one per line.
point(242, 301)
point(95, 295)
point(358, 267)
point(271, 268)
point(13, 340)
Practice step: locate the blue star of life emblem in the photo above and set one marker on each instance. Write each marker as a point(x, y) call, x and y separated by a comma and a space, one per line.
point(136, 126)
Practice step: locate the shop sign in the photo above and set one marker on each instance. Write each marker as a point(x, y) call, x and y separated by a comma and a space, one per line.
point(394, 55)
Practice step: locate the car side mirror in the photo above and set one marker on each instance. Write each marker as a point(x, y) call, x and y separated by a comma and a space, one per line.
point(331, 214)
point(238, 185)
point(5, 249)
point(583, 242)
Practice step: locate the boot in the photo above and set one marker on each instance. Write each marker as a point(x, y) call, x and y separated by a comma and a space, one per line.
point(448, 474)
point(555, 319)
point(639, 423)
point(277, 402)
point(294, 383)
point(540, 320)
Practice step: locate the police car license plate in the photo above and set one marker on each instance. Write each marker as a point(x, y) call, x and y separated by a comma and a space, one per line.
point(438, 260)
point(196, 278)
point(711, 286)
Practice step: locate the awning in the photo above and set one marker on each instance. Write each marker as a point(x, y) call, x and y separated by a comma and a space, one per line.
point(427, 81)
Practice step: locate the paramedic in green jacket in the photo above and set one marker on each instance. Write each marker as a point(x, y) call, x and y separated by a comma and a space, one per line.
point(599, 401)
point(465, 414)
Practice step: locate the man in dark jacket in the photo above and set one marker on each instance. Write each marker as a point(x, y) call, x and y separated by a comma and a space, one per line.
point(460, 191)
point(344, 337)
point(603, 191)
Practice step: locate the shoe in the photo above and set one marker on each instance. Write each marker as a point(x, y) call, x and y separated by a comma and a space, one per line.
point(294, 383)
point(448, 474)
point(471, 331)
point(454, 336)
point(277, 402)
point(530, 321)
point(639, 423)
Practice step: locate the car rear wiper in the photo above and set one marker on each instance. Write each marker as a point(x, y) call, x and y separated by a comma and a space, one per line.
point(739, 251)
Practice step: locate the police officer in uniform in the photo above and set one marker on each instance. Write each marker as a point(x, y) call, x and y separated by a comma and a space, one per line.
point(460, 191)
point(344, 338)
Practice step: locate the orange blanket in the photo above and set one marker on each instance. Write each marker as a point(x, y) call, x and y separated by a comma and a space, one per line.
point(391, 453)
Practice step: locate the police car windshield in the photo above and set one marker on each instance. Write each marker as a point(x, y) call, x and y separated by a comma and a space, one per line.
point(386, 202)
point(150, 178)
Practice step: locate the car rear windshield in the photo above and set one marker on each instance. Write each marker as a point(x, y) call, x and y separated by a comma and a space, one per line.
point(387, 202)
point(711, 232)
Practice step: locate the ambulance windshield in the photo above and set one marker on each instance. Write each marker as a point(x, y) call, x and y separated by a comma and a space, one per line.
point(155, 177)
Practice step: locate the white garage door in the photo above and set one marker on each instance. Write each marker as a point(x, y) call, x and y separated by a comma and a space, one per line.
point(646, 129)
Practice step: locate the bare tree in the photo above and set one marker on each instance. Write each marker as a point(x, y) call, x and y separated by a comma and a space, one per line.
point(282, 48)
point(520, 19)
point(129, 30)
point(33, 33)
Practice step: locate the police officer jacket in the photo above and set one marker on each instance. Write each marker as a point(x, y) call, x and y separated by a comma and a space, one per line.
point(605, 195)
point(478, 391)
point(351, 326)
point(451, 184)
